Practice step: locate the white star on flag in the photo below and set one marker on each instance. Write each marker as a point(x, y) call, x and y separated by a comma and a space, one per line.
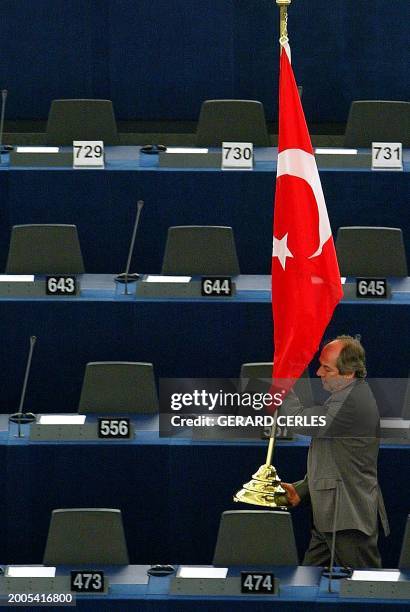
point(280, 250)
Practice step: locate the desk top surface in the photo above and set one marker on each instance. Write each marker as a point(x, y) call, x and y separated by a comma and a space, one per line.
point(250, 288)
point(128, 158)
point(146, 433)
point(296, 583)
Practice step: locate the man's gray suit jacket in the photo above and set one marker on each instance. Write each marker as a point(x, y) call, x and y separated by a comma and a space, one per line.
point(342, 460)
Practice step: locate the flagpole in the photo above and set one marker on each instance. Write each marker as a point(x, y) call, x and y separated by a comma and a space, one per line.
point(271, 446)
point(283, 8)
point(265, 487)
point(283, 39)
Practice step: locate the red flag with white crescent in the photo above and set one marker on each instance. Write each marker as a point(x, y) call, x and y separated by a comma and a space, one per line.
point(306, 283)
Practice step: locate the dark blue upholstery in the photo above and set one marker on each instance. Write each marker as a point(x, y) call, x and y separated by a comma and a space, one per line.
point(182, 339)
point(102, 205)
point(160, 59)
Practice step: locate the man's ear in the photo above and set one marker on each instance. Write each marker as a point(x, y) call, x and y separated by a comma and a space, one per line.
point(349, 375)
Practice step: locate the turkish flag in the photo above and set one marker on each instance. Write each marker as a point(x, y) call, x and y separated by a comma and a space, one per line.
point(306, 283)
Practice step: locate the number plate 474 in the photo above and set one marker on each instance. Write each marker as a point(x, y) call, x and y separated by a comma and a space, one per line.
point(258, 583)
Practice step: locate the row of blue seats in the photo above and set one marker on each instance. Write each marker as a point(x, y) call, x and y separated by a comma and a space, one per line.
point(95, 537)
point(227, 121)
point(202, 250)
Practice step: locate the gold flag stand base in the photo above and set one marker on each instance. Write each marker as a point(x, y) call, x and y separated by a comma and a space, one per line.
point(265, 489)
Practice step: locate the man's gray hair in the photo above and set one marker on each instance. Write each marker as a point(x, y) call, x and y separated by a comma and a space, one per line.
point(352, 357)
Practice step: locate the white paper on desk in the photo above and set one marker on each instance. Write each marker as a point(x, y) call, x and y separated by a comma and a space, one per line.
point(394, 423)
point(27, 571)
point(202, 571)
point(62, 419)
point(379, 576)
point(186, 150)
point(321, 151)
point(37, 149)
point(167, 279)
point(16, 278)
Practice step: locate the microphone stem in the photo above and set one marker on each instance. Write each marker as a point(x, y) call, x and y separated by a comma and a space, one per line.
point(30, 355)
point(3, 110)
point(333, 548)
point(140, 204)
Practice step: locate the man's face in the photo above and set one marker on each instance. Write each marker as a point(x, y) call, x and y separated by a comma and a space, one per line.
point(332, 379)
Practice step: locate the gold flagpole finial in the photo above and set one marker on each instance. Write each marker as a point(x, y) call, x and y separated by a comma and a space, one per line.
point(283, 6)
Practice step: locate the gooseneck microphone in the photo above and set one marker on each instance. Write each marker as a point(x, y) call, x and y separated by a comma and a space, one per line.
point(331, 572)
point(126, 277)
point(20, 417)
point(3, 148)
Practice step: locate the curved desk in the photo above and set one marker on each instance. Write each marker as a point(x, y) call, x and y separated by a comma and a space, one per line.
point(301, 588)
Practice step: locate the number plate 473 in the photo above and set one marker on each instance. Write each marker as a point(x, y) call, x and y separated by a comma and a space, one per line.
point(87, 581)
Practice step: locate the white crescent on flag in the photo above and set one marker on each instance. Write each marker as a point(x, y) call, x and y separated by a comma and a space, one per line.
point(301, 164)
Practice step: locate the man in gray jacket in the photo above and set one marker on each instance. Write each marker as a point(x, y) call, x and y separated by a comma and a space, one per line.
point(342, 462)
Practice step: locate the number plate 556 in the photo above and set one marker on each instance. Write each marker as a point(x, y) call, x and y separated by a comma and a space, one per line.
point(114, 428)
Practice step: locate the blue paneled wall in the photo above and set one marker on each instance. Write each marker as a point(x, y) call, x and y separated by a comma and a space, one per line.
point(158, 59)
